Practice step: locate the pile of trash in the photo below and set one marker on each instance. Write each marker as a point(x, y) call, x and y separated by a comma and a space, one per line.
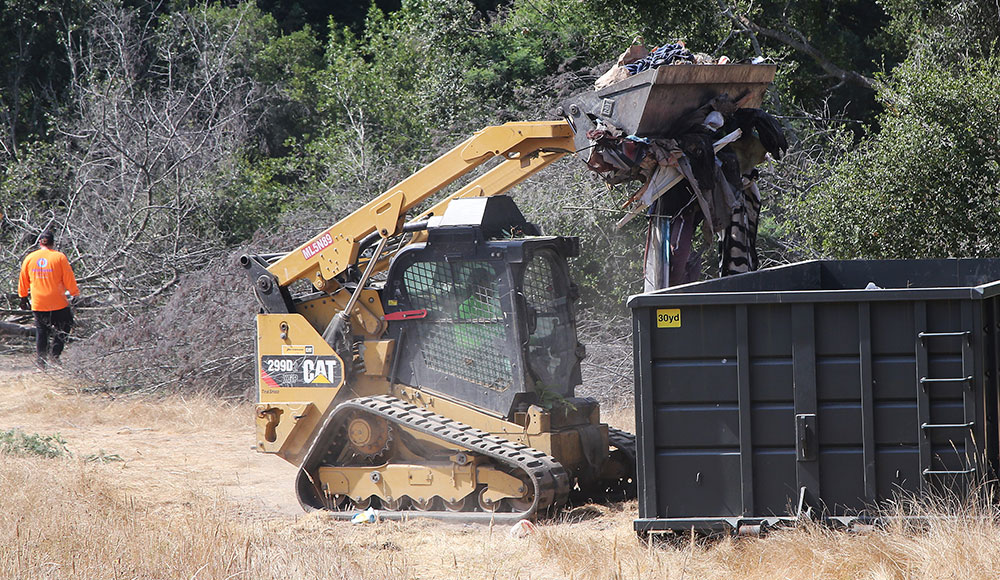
point(704, 171)
point(637, 58)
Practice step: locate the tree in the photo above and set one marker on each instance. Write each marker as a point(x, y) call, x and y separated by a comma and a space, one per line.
point(927, 182)
point(926, 185)
point(147, 181)
point(35, 39)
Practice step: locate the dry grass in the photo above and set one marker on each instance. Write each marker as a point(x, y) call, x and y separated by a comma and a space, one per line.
point(69, 520)
point(70, 404)
point(190, 500)
point(88, 528)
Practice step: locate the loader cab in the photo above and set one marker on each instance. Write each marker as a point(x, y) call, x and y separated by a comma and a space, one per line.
point(483, 311)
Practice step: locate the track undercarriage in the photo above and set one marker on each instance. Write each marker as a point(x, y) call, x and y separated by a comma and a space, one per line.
point(408, 461)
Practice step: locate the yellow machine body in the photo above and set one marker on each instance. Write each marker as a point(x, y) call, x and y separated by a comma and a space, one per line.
point(330, 400)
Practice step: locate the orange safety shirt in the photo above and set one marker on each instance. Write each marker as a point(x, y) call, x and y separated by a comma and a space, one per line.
point(47, 275)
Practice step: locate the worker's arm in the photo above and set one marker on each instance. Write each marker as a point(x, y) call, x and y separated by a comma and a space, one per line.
point(23, 282)
point(69, 280)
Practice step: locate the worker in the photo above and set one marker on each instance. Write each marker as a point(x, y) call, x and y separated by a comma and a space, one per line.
point(481, 303)
point(47, 276)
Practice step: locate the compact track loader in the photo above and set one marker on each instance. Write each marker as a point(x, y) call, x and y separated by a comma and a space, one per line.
point(431, 367)
point(426, 364)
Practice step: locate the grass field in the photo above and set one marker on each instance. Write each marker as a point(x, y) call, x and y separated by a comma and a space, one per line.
point(170, 488)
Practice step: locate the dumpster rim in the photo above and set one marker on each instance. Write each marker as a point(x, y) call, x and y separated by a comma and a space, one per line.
point(638, 301)
point(671, 295)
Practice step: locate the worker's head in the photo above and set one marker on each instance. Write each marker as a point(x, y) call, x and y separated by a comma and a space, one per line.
point(47, 239)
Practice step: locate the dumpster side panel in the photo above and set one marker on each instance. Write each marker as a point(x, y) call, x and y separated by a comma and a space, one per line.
point(695, 407)
point(841, 405)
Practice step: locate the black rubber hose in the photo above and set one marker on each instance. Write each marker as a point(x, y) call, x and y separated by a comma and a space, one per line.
point(370, 239)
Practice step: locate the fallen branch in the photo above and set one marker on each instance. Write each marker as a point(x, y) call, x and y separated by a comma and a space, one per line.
point(10, 328)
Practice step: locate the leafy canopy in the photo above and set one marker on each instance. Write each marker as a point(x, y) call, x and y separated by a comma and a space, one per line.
point(926, 185)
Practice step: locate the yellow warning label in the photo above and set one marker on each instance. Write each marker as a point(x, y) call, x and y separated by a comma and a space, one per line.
point(393, 303)
point(668, 318)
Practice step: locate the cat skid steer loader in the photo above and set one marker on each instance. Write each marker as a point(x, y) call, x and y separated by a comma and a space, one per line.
point(428, 366)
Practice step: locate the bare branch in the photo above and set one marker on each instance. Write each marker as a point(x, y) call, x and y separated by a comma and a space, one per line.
point(727, 11)
point(796, 40)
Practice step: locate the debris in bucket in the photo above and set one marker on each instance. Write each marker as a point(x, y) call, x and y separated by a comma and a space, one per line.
point(637, 58)
point(369, 516)
point(701, 169)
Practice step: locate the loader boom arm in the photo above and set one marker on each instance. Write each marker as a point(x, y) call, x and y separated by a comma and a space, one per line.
point(525, 147)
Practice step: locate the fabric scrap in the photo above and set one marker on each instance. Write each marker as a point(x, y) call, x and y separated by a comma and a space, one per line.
point(664, 55)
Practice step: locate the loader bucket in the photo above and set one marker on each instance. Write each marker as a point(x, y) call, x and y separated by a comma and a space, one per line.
point(658, 102)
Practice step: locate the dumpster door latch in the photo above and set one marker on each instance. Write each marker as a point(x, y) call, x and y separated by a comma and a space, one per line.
point(806, 437)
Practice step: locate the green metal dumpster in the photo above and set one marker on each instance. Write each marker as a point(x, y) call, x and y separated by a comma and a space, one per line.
point(818, 389)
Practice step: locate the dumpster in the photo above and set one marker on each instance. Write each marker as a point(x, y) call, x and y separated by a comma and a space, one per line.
point(818, 389)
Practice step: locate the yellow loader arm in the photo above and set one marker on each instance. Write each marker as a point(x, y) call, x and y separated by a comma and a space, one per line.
point(525, 147)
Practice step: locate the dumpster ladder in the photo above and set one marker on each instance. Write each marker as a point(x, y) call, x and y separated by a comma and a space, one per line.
point(925, 386)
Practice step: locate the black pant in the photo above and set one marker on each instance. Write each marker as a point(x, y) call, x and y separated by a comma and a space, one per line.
point(57, 323)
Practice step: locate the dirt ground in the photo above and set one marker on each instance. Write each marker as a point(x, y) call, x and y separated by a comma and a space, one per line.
point(168, 449)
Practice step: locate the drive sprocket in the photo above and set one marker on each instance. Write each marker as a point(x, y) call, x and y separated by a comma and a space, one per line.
point(369, 435)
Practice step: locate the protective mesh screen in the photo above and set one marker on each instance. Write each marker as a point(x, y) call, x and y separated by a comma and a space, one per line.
point(464, 333)
point(552, 338)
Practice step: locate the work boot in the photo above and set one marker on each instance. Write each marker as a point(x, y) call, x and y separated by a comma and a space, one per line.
point(40, 365)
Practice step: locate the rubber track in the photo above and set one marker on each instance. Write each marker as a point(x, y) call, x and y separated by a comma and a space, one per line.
point(625, 442)
point(550, 480)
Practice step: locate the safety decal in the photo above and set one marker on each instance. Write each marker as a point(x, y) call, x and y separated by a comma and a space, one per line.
point(301, 371)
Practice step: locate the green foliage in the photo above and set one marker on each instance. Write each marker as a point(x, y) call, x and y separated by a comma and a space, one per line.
point(614, 23)
point(34, 39)
point(525, 42)
point(947, 29)
point(926, 185)
point(249, 199)
point(40, 177)
point(17, 442)
point(567, 200)
point(103, 457)
point(289, 63)
point(400, 83)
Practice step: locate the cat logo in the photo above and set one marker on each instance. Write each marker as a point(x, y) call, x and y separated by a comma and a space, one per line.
point(300, 349)
point(301, 371)
point(317, 371)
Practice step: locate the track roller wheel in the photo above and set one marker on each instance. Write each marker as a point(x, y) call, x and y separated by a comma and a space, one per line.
point(423, 505)
point(394, 504)
point(368, 435)
point(487, 505)
point(457, 505)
